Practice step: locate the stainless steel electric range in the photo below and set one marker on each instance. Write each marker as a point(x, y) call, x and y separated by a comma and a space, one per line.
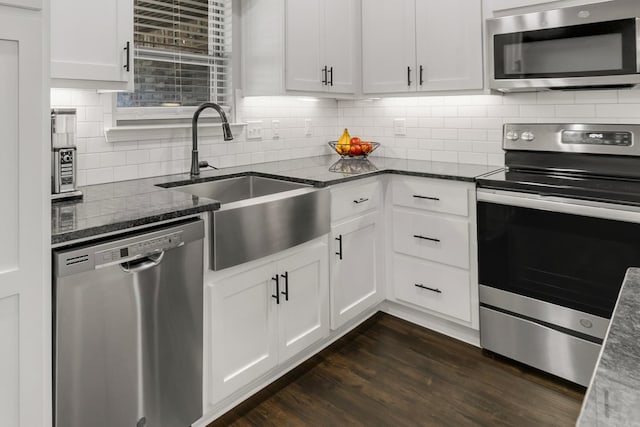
point(557, 230)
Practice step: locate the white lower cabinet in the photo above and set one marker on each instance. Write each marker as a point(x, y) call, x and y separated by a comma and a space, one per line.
point(433, 256)
point(354, 267)
point(262, 314)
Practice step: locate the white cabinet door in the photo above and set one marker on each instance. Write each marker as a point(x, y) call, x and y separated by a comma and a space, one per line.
point(243, 329)
point(449, 44)
point(25, 274)
point(88, 43)
point(388, 46)
point(303, 311)
point(304, 68)
point(340, 34)
point(354, 283)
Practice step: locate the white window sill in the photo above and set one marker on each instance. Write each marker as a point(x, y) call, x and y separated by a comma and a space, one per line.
point(155, 132)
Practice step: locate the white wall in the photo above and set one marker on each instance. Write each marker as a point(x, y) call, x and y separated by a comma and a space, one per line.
point(100, 161)
point(465, 129)
point(468, 129)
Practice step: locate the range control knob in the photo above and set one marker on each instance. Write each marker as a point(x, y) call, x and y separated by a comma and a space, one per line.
point(512, 136)
point(528, 136)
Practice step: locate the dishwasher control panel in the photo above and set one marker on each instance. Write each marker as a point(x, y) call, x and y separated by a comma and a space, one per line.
point(138, 249)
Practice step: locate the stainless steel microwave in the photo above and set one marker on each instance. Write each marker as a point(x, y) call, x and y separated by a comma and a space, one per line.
point(580, 47)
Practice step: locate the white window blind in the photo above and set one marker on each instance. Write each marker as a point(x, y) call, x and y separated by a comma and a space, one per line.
point(182, 53)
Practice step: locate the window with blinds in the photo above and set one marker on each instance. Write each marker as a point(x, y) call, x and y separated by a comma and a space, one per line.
point(182, 53)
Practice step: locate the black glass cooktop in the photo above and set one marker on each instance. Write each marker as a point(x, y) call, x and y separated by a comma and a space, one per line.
point(578, 186)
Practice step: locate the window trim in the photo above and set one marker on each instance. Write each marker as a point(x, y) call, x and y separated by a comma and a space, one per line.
point(171, 113)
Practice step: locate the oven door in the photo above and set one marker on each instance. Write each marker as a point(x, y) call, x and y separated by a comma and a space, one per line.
point(582, 55)
point(550, 270)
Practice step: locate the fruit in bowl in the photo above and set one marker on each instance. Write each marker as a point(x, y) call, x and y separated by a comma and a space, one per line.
point(348, 146)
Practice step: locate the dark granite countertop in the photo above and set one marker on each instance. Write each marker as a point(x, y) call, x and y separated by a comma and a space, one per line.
point(613, 397)
point(106, 208)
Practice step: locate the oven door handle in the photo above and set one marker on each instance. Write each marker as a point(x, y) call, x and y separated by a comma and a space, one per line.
point(561, 205)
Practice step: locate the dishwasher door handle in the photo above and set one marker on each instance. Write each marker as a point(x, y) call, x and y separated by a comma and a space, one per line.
point(151, 261)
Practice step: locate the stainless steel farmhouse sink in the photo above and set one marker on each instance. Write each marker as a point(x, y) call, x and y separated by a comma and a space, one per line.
point(260, 216)
point(230, 190)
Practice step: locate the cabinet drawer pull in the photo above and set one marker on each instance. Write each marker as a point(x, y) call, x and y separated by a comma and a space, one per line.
point(417, 196)
point(432, 239)
point(421, 286)
point(339, 239)
point(277, 294)
point(286, 285)
point(331, 73)
point(360, 200)
point(127, 64)
point(421, 72)
point(408, 76)
point(324, 70)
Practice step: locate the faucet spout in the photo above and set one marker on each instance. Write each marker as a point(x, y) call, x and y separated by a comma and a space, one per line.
point(226, 132)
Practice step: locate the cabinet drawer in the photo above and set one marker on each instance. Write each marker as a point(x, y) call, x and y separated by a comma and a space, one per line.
point(433, 286)
point(432, 237)
point(354, 199)
point(432, 195)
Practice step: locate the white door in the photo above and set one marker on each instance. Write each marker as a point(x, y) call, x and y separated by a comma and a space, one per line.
point(89, 40)
point(448, 44)
point(341, 28)
point(304, 66)
point(354, 283)
point(304, 300)
point(25, 274)
point(243, 329)
point(388, 46)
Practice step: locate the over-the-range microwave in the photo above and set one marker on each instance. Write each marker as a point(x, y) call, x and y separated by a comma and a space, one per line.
point(590, 46)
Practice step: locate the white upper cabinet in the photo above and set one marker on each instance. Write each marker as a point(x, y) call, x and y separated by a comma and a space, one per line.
point(388, 46)
point(92, 44)
point(304, 45)
point(421, 45)
point(448, 44)
point(341, 29)
point(320, 45)
point(300, 46)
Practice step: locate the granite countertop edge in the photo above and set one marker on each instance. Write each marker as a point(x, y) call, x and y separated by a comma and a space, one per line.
point(107, 200)
point(612, 397)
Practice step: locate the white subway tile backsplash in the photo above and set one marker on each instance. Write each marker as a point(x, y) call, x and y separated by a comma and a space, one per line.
point(444, 156)
point(596, 97)
point(466, 128)
point(586, 110)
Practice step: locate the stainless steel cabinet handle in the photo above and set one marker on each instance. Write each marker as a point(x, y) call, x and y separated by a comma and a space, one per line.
point(408, 76)
point(360, 200)
point(137, 266)
point(277, 294)
point(421, 286)
point(127, 64)
point(417, 196)
point(324, 70)
point(339, 239)
point(432, 239)
point(286, 285)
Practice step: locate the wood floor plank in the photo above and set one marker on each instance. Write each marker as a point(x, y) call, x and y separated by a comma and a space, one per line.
point(389, 372)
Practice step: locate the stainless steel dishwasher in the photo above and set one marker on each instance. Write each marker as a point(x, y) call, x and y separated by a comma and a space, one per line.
point(128, 316)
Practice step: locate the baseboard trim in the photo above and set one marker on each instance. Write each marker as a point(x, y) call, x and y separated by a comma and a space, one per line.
point(445, 327)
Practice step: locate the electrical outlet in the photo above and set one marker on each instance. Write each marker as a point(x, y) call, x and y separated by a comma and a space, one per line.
point(307, 127)
point(254, 129)
point(399, 127)
point(275, 128)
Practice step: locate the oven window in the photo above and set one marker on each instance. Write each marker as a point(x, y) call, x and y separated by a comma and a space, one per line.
point(568, 260)
point(601, 48)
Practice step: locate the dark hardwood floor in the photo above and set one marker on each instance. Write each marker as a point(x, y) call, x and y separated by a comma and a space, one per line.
point(389, 372)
